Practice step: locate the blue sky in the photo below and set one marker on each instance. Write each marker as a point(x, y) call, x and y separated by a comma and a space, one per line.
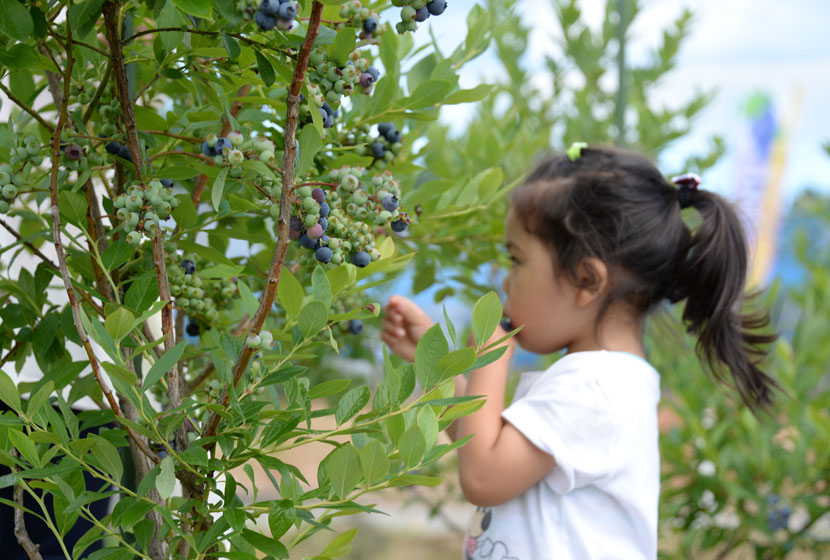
point(736, 47)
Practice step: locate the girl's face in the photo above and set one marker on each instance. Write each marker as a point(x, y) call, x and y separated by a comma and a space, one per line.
point(536, 299)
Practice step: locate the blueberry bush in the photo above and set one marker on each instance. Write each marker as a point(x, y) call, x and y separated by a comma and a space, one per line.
point(149, 141)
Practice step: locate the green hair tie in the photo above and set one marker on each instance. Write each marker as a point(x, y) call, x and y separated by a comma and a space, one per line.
point(576, 150)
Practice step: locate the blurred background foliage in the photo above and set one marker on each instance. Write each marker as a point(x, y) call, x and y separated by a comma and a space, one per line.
point(734, 486)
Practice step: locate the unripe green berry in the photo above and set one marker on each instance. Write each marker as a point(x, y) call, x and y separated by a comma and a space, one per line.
point(383, 217)
point(4, 206)
point(274, 210)
point(5, 178)
point(9, 191)
point(253, 341)
point(311, 205)
point(133, 238)
point(236, 157)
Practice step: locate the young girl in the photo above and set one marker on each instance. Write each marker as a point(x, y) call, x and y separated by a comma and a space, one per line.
point(571, 469)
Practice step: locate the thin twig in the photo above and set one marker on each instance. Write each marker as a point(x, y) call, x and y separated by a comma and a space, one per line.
point(192, 139)
point(127, 114)
point(67, 280)
point(16, 100)
point(20, 532)
point(202, 157)
point(267, 299)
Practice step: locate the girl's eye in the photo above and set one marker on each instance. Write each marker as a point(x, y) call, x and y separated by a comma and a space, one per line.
point(514, 260)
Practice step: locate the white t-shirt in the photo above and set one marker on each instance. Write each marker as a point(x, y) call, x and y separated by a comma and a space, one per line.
point(596, 414)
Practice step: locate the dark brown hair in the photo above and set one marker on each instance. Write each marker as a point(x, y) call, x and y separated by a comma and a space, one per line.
point(615, 205)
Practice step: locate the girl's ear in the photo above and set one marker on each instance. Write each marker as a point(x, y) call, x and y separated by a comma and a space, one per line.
point(592, 281)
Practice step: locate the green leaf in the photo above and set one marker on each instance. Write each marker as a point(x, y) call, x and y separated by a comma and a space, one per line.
point(15, 20)
point(163, 365)
point(328, 388)
point(185, 213)
point(119, 324)
point(374, 462)
point(312, 318)
point(468, 95)
point(343, 469)
point(310, 144)
point(455, 363)
point(142, 293)
point(19, 56)
point(486, 316)
point(267, 545)
point(99, 334)
point(221, 271)
point(280, 518)
point(119, 372)
point(431, 348)
point(339, 545)
point(428, 94)
point(40, 398)
point(412, 446)
point(342, 46)
point(199, 8)
point(249, 300)
point(171, 17)
point(72, 206)
point(8, 392)
point(166, 480)
point(148, 118)
point(290, 293)
point(266, 71)
point(232, 46)
point(413, 479)
point(218, 188)
point(107, 455)
point(428, 422)
point(351, 403)
point(26, 447)
point(116, 254)
point(320, 286)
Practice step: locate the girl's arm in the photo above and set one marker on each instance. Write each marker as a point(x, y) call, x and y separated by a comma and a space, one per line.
point(498, 463)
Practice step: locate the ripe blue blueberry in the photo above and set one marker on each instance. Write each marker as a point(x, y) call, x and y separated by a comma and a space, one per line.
point(188, 266)
point(325, 210)
point(390, 203)
point(370, 25)
point(355, 326)
point(366, 80)
point(112, 147)
point(374, 72)
point(378, 149)
point(208, 150)
point(264, 21)
point(437, 7)
point(221, 144)
point(308, 242)
point(296, 223)
point(324, 223)
point(361, 259)
point(327, 108)
point(318, 194)
point(167, 183)
point(269, 7)
point(192, 329)
point(124, 153)
point(385, 128)
point(329, 122)
point(398, 225)
point(421, 14)
point(323, 254)
point(394, 136)
point(288, 11)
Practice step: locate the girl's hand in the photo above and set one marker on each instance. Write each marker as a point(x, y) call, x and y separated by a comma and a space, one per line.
point(403, 325)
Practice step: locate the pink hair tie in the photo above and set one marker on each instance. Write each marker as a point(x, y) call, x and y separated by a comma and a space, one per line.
point(686, 183)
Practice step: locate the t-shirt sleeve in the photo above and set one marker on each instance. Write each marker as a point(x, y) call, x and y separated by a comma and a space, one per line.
point(569, 416)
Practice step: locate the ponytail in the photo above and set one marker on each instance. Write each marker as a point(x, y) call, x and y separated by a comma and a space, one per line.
point(711, 278)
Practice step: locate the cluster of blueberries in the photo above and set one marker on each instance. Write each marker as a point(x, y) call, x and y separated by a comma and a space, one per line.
point(276, 13)
point(388, 144)
point(417, 11)
point(120, 150)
